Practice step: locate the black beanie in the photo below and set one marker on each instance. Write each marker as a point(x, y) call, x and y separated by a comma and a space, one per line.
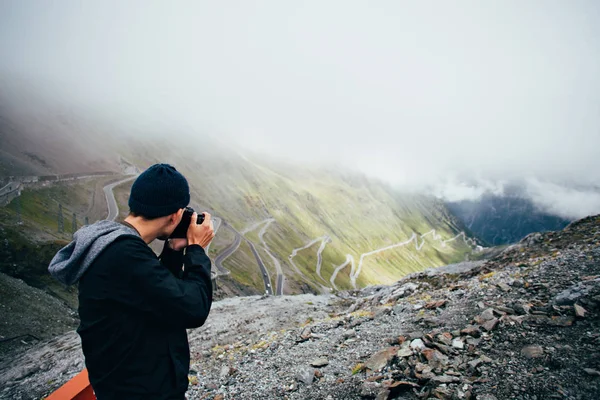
point(160, 190)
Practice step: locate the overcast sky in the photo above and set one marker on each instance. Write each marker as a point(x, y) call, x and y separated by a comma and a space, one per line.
point(442, 93)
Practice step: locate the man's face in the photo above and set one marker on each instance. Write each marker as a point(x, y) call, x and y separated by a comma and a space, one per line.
point(171, 223)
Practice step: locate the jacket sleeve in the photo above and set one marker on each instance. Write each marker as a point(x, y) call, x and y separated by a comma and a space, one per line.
point(184, 302)
point(172, 259)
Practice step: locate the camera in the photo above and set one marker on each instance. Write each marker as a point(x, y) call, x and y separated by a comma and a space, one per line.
point(181, 229)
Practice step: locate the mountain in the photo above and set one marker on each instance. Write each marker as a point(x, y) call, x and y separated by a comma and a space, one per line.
point(283, 228)
point(521, 325)
point(504, 219)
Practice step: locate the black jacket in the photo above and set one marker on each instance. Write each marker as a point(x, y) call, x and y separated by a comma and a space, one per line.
point(134, 311)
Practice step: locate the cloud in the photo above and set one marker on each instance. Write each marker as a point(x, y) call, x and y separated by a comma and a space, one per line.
point(415, 93)
point(570, 203)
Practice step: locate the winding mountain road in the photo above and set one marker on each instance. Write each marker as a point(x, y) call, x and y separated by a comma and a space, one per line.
point(355, 272)
point(280, 276)
point(113, 209)
point(222, 256)
point(324, 240)
point(263, 269)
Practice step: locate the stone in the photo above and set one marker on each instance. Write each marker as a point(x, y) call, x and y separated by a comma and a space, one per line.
point(396, 386)
point(306, 334)
point(445, 338)
point(435, 304)
point(532, 351)
point(504, 287)
point(471, 330)
point(486, 396)
point(490, 325)
point(370, 389)
point(561, 321)
point(219, 396)
point(487, 315)
point(417, 344)
point(445, 379)
point(458, 344)
point(381, 359)
point(580, 311)
point(405, 350)
point(319, 362)
point(225, 372)
point(522, 309)
point(383, 394)
point(435, 358)
point(350, 333)
point(305, 375)
point(415, 335)
point(591, 372)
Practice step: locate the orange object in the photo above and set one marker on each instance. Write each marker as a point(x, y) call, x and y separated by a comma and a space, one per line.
point(78, 388)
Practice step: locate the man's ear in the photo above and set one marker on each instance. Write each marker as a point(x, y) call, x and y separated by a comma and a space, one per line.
point(176, 216)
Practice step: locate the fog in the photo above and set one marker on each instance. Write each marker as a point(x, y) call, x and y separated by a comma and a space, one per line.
point(453, 97)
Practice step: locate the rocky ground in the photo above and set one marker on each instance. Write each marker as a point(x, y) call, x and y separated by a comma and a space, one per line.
point(524, 325)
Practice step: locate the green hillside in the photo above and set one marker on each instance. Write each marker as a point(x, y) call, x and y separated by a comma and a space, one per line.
point(358, 214)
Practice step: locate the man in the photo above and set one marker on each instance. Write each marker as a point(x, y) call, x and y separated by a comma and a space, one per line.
point(135, 307)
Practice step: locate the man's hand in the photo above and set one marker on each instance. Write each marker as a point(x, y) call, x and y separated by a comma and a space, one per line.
point(177, 244)
point(200, 234)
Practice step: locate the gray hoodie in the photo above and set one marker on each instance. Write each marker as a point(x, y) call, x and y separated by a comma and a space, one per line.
point(70, 263)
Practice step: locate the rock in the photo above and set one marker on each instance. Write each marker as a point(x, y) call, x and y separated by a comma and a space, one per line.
point(483, 359)
point(445, 338)
point(219, 396)
point(415, 335)
point(435, 358)
point(458, 344)
point(504, 287)
point(521, 309)
point(405, 350)
point(504, 309)
point(370, 389)
point(396, 386)
point(225, 371)
point(591, 372)
point(319, 362)
point(417, 344)
point(471, 330)
point(561, 321)
point(486, 396)
point(532, 351)
point(305, 375)
point(487, 315)
point(318, 373)
point(380, 359)
point(350, 333)
point(580, 311)
point(490, 325)
point(306, 334)
point(445, 379)
point(435, 304)
point(574, 293)
point(383, 394)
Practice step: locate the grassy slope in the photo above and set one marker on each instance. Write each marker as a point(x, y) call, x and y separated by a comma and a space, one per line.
point(32, 244)
point(358, 214)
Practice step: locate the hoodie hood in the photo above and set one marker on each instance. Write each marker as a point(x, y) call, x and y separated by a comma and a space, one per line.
point(71, 262)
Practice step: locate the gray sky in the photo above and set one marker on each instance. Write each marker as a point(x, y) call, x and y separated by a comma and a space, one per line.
point(434, 93)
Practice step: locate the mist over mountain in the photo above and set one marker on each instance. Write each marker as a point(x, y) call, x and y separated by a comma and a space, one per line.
point(426, 97)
